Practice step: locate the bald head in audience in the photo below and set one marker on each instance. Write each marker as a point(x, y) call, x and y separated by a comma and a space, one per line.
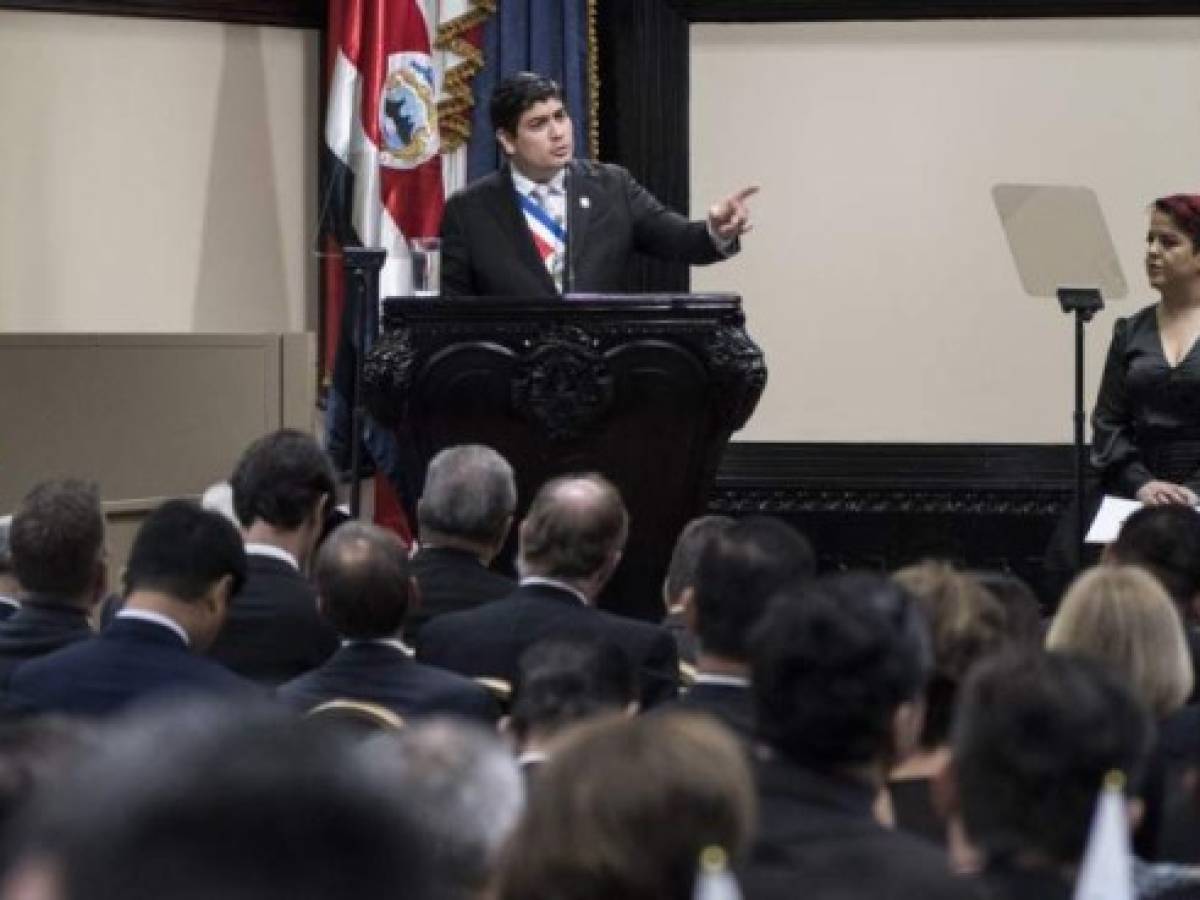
point(574, 532)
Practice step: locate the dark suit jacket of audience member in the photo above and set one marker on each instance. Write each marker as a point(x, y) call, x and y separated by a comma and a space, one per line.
point(42, 625)
point(382, 674)
point(273, 631)
point(818, 839)
point(451, 580)
point(730, 704)
point(489, 640)
point(8, 606)
point(1006, 883)
point(130, 660)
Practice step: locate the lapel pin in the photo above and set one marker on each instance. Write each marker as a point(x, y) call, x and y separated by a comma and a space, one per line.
point(585, 202)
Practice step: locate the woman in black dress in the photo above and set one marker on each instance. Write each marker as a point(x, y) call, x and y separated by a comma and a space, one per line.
point(1146, 424)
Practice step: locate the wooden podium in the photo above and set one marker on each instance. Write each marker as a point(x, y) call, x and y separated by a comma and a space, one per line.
point(645, 389)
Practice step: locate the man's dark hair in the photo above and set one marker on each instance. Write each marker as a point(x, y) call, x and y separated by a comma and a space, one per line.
point(1036, 734)
point(1165, 540)
point(57, 537)
point(740, 569)
point(685, 557)
point(183, 550)
point(831, 662)
point(517, 93)
point(574, 525)
point(279, 478)
point(469, 493)
point(565, 680)
point(362, 577)
point(201, 802)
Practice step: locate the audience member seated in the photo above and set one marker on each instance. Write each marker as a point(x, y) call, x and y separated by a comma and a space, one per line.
point(1165, 541)
point(35, 754)
point(838, 670)
point(1035, 737)
point(569, 544)
point(282, 488)
point(562, 682)
point(10, 588)
point(681, 576)
point(196, 803)
point(364, 589)
point(1121, 617)
point(462, 785)
point(966, 623)
point(57, 545)
point(463, 518)
point(185, 565)
point(740, 569)
point(627, 808)
point(1023, 620)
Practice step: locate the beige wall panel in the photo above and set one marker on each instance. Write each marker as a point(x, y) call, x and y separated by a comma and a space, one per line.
point(877, 279)
point(155, 175)
point(147, 416)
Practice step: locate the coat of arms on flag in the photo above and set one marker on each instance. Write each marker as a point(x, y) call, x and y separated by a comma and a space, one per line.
point(408, 123)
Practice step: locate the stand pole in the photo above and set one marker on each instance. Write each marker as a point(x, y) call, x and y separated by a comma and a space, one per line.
point(1084, 303)
point(361, 266)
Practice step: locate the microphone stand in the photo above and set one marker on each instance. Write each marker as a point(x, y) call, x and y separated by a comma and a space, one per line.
point(1084, 303)
point(361, 266)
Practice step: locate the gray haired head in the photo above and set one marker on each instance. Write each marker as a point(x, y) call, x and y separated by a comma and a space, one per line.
point(470, 494)
point(462, 784)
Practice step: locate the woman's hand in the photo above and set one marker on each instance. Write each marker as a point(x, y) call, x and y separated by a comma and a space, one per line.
point(1162, 493)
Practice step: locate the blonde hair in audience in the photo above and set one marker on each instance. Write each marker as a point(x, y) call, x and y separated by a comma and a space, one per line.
point(1122, 617)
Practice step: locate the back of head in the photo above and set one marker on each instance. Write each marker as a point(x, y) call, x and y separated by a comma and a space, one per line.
point(57, 538)
point(562, 681)
point(1121, 617)
point(463, 786)
point(1164, 540)
point(362, 578)
point(517, 93)
point(685, 557)
point(625, 808)
point(575, 526)
point(965, 622)
point(832, 660)
point(1022, 611)
point(183, 550)
point(470, 493)
point(280, 478)
point(739, 570)
point(1035, 735)
point(202, 802)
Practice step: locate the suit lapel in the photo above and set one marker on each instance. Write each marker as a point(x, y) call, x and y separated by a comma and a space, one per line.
point(579, 217)
point(512, 223)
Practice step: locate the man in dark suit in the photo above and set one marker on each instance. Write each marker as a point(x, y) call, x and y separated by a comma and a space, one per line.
point(569, 544)
point(364, 587)
point(839, 666)
point(282, 488)
point(549, 224)
point(739, 570)
point(57, 545)
point(185, 565)
point(463, 518)
point(1025, 795)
